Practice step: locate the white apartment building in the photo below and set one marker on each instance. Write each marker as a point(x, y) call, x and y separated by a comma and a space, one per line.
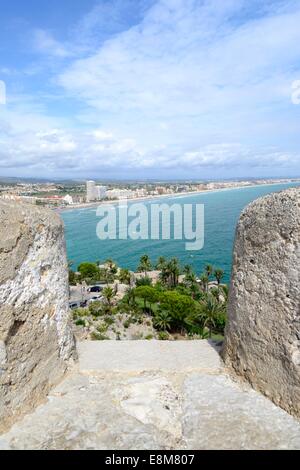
point(101, 192)
point(119, 194)
point(68, 199)
point(91, 194)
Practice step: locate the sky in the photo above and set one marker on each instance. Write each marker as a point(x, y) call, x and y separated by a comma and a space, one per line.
point(166, 89)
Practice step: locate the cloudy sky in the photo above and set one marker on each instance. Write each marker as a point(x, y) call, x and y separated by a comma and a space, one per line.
point(150, 88)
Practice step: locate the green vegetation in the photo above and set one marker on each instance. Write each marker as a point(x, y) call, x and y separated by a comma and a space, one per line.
point(177, 304)
point(88, 270)
point(91, 273)
point(95, 336)
point(145, 265)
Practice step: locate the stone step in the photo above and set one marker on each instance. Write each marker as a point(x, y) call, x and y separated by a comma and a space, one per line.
point(141, 356)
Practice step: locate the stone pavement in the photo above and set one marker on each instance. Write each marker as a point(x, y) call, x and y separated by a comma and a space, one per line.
point(153, 395)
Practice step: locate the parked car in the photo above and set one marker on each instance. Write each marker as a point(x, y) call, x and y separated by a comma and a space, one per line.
point(95, 289)
point(74, 305)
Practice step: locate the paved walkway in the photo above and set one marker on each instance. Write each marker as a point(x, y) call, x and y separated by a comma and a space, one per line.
point(153, 395)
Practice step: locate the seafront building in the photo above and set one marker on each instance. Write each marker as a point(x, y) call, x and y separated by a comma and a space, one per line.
point(101, 192)
point(90, 191)
point(93, 192)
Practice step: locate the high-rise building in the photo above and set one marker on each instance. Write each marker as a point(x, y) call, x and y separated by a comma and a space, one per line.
point(101, 192)
point(91, 194)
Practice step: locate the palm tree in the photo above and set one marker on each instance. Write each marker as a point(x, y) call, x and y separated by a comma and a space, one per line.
point(145, 265)
point(161, 262)
point(162, 320)
point(211, 309)
point(164, 275)
point(174, 270)
point(209, 270)
point(204, 281)
point(191, 283)
point(108, 294)
point(187, 270)
point(106, 275)
point(124, 276)
point(225, 292)
point(130, 296)
point(219, 274)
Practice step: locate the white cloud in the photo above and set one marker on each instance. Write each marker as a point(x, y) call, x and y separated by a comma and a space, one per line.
point(189, 84)
point(45, 43)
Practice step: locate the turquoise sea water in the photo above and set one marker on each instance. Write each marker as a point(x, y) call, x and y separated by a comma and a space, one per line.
point(222, 210)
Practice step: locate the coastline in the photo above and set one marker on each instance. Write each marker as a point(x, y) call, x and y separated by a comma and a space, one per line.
point(91, 205)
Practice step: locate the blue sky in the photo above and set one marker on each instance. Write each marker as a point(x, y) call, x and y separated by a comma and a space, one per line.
point(150, 88)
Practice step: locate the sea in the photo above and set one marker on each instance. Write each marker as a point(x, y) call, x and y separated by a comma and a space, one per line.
point(222, 209)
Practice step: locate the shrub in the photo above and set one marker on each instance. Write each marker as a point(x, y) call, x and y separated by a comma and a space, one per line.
point(102, 328)
point(127, 324)
point(149, 337)
point(80, 322)
point(98, 336)
point(163, 336)
point(138, 336)
point(162, 320)
point(109, 320)
point(81, 312)
point(143, 281)
point(95, 309)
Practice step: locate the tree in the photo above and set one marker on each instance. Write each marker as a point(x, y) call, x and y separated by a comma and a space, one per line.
point(219, 274)
point(190, 279)
point(187, 270)
point(130, 296)
point(88, 270)
point(162, 320)
point(145, 265)
point(174, 270)
point(148, 294)
point(164, 275)
point(225, 292)
point(178, 306)
point(170, 273)
point(72, 278)
point(111, 266)
point(108, 294)
point(204, 281)
point(143, 281)
point(124, 276)
point(211, 310)
point(209, 270)
point(161, 262)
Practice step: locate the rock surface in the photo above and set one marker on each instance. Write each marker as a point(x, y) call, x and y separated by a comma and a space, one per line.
point(262, 341)
point(36, 342)
point(144, 403)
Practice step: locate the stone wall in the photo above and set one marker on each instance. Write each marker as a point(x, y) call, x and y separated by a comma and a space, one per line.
point(36, 341)
point(262, 341)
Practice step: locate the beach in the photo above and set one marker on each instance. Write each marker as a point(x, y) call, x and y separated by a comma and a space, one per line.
point(89, 205)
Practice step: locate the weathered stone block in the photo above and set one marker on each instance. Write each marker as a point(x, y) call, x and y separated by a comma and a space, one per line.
point(262, 342)
point(36, 341)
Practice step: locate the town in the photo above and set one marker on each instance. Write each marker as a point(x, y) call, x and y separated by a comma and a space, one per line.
point(61, 195)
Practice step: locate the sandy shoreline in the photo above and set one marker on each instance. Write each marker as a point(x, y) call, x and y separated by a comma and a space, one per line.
point(164, 196)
